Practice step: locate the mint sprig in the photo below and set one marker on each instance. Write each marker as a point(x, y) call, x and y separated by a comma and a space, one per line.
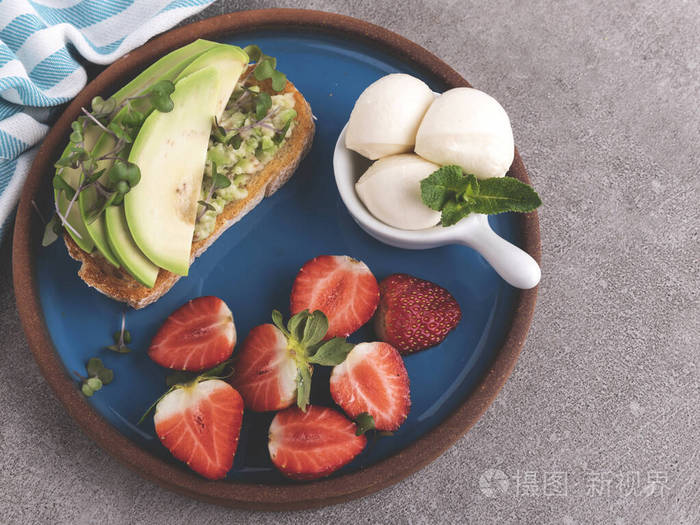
point(456, 195)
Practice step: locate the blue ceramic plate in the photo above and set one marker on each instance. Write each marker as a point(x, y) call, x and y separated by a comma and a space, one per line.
point(252, 267)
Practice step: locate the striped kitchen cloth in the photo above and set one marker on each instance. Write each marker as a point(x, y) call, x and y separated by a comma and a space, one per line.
point(39, 42)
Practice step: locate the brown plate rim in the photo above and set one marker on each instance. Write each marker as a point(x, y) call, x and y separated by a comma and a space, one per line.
point(27, 234)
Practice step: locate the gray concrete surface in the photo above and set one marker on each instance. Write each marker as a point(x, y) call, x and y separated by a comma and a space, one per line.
point(600, 420)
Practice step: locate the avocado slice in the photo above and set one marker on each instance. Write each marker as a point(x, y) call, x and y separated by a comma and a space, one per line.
point(91, 235)
point(230, 61)
point(125, 249)
point(170, 150)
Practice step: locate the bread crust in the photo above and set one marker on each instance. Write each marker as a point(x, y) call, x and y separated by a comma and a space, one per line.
point(120, 286)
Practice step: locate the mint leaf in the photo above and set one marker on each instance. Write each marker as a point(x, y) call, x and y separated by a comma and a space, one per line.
point(332, 352)
point(303, 386)
point(454, 211)
point(443, 185)
point(364, 423)
point(505, 194)
point(457, 195)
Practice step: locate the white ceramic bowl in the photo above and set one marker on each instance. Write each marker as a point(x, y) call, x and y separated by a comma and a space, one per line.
point(513, 264)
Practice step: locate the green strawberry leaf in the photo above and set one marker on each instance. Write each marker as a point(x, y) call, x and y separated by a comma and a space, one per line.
point(278, 321)
point(315, 329)
point(332, 352)
point(179, 377)
point(303, 386)
point(295, 326)
point(364, 423)
point(218, 370)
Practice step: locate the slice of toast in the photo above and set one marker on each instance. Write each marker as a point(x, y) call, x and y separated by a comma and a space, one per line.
point(119, 285)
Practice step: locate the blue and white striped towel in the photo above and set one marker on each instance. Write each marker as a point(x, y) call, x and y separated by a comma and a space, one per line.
point(39, 40)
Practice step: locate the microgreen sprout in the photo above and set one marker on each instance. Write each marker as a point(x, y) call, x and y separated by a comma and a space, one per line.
point(265, 67)
point(121, 122)
point(218, 181)
point(121, 339)
point(97, 376)
point(258, 102)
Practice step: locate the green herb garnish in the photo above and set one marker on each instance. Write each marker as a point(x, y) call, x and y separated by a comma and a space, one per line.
point(265, 67)
point(218, 181)
point(121, 339)
point(121, 122)
point(457, 195)
point(97, 376)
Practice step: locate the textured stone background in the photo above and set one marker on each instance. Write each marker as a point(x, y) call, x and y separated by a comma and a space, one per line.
point(603, 97)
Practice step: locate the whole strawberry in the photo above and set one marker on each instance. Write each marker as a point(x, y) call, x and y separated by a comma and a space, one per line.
point(414, 314)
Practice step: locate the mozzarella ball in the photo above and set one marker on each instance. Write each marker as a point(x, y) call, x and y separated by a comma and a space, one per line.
point(390, 189)
point(386, 117)
point(467, 127)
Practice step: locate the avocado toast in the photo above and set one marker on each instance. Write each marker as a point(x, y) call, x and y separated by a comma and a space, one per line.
point(256, 167)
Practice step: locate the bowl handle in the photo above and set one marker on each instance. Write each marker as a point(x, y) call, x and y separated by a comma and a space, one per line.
point(516, 266)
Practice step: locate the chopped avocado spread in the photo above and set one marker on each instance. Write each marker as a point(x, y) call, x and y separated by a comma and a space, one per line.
point(252, 129)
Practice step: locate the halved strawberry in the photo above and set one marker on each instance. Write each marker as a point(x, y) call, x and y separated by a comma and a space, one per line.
point(373, 379)
point(197, 336)
point(341, 287)
point(199, 422)
point(264, 371)
point(414, 314)
point(312, 444)
point(273, 367)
